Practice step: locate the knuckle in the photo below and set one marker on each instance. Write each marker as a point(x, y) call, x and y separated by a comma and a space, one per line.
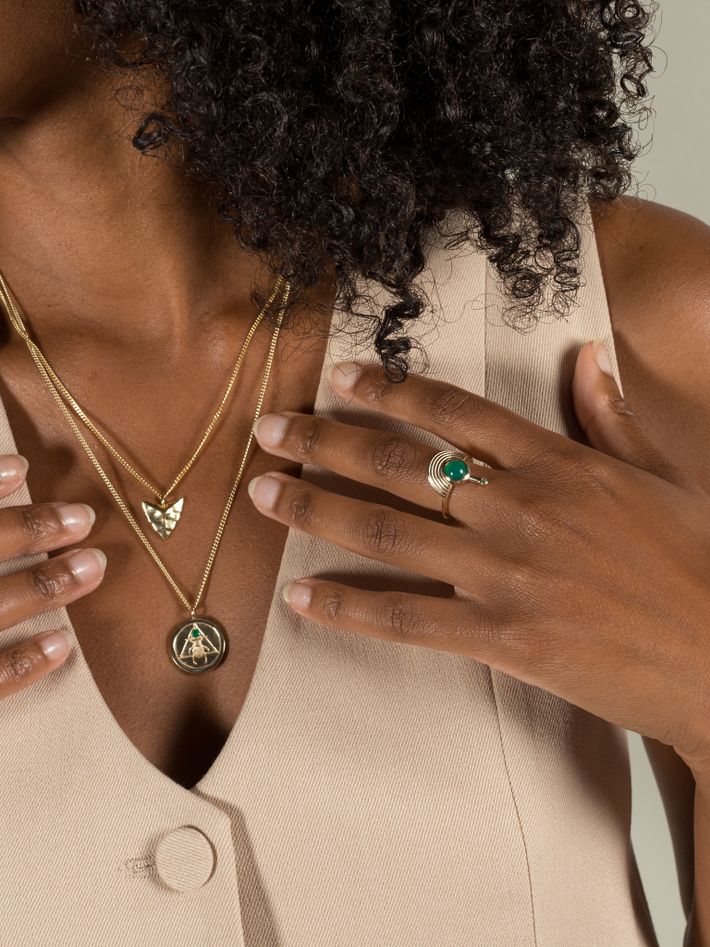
point(383, 532)
point(503, 631)
point(510, 632)
point(306, 437)
point(299, 506)
point(479, 624)
point(619, 405)
point(448, 404)
point(37, 526)
point(392, 457)
point(332, 604)
point(374, 388)
point(494, 634)
point(516, 640)
point(397, 618)
point(18, 663)
point(518, 634)
point(49, 582)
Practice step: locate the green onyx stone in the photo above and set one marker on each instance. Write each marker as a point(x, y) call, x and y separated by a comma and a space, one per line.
point(455, 470)
point(195, 632)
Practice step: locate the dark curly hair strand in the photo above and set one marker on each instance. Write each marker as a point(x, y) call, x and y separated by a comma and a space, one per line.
point(340, 133)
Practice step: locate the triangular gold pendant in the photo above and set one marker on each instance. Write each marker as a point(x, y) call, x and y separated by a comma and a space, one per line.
point(163, 519)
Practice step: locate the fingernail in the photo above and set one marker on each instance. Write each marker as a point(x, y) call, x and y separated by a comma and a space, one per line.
point(298, 594)
point(12, 467)
point(344, 375)
point(55, 645)
point(87, 565)
point(601, 357)
point(264, 491)
point(269, 429)
point(76, 517)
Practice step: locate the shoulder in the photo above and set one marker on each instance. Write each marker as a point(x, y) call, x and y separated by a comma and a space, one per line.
point(647, 249)
point(655, 263)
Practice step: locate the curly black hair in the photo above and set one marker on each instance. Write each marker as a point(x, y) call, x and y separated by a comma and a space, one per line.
point(338, 133)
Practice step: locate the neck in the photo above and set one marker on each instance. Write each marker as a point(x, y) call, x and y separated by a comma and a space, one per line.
point(95, 234)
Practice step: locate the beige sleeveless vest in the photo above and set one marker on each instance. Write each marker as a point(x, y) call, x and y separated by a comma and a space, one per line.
point(371, 794)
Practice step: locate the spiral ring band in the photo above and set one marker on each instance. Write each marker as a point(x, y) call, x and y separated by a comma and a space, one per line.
point(448, 468)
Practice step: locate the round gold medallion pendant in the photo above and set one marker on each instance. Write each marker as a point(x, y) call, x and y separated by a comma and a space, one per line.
point(198, 645)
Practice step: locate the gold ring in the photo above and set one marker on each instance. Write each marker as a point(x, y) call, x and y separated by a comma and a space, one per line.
point(447, 469)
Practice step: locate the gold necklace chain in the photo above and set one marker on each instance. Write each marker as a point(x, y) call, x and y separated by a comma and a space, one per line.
point(120, 502)
point(162, 495)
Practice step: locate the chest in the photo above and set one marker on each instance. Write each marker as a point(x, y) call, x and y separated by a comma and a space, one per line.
point(178, 721)
point(359, 773)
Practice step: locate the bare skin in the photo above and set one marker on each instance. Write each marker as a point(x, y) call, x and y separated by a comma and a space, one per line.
point(656, 267)
point(132, 263)
point(150, 283)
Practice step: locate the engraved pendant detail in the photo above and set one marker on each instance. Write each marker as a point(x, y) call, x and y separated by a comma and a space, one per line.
point(163, 519)
point(198, 645)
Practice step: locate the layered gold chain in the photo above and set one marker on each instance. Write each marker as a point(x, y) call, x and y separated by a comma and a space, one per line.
point(162, 495)
point(55, 391)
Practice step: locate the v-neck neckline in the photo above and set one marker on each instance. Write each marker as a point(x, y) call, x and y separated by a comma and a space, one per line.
point(211, 777)
point(339, 347)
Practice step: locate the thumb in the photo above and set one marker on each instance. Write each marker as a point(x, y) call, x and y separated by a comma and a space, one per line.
point(607, 419)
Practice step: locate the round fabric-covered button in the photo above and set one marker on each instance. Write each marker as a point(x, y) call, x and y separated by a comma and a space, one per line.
point(184, 858)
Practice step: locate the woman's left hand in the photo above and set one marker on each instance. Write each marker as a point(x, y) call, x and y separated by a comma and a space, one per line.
point(584, 570)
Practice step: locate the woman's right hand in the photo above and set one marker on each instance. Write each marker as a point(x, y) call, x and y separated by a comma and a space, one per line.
point(40, 527)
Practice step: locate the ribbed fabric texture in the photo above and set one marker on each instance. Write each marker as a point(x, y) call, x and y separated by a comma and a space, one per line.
point(371, 794)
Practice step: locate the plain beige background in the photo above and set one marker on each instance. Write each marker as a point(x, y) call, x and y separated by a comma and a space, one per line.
point(673, 171)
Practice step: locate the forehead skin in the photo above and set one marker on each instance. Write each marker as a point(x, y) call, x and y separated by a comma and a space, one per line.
point(36, 45)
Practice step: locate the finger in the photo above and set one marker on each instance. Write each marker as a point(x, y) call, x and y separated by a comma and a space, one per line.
point(608, 420)
point(43, 527)
point(384, 459)
point(476, 425)
point(373, 530)
point(459, 625)
point(49, 584)
point(28, 661)
point(13, 469)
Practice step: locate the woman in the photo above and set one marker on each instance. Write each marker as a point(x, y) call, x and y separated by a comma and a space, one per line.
point(420, 744)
